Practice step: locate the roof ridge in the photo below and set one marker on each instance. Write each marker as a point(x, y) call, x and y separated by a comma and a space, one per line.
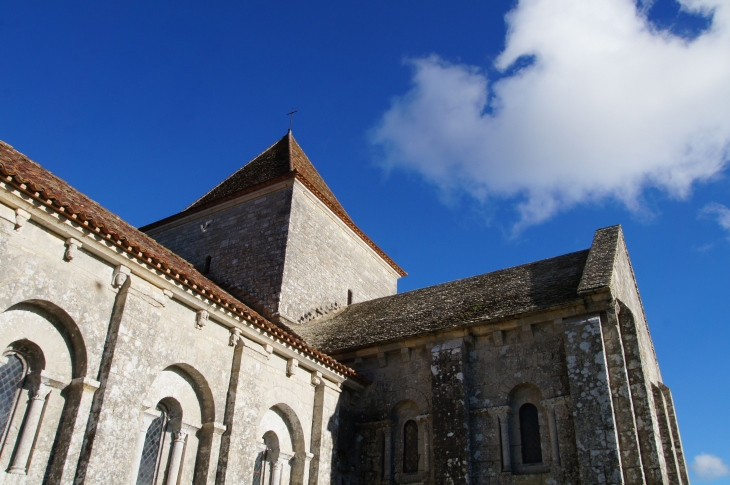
point(58, 195)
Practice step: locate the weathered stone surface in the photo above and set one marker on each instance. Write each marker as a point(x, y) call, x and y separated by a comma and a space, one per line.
point(540, 374)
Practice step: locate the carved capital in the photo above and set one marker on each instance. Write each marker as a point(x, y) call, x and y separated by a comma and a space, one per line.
point(41, 392)
point(72, 248)
point(201, 319)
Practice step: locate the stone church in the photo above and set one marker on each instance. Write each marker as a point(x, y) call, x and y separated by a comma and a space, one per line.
point(258, 338)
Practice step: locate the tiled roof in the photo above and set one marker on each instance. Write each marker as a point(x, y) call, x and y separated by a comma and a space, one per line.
point(283, 160)
point(27, 176)
point(506, 293)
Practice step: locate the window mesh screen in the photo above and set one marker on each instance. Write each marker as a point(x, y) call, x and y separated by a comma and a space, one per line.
point(151, 451)
point(530, 434)
point(11, 376)
point(410, 447)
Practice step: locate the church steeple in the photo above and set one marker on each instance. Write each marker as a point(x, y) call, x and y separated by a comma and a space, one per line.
point(275, 236)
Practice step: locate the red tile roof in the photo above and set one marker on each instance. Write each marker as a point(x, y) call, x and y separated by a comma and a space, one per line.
point(30, 178)
point(283, 160)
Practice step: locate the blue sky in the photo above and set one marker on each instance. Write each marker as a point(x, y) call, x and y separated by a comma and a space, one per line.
point(462, 141)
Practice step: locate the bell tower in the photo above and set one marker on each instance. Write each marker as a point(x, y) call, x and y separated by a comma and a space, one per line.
point(274, 235)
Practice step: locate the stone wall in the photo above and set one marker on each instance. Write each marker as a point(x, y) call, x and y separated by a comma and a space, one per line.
point(107, 343)
point(282, 251)
point(325, 259)
point(246, 241)
point(469, 387)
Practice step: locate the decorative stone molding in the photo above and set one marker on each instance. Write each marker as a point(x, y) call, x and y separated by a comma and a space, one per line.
point(21, 218)
point(201, 319)
point(316, 378)
point(291, 366)
point(120, 276)
point(235, 337)
point(72, 248)
point(168, 293)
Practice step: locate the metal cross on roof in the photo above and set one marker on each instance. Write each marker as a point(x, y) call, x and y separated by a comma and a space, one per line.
point(291, 117)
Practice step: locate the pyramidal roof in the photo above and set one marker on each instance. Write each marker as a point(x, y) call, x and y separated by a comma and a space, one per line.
point(282, 160)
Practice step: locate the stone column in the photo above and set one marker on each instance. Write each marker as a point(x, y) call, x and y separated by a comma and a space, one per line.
point(176, 458)
point(214, 431)
point(549, 405)
point(88, 389)
point(450, 413)
point(147, 419)
point(19, 465)
point(502, 414)
point(275, 472)
point(324, 432)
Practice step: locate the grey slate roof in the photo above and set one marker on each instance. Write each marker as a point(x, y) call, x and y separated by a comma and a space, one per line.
point(506, 293)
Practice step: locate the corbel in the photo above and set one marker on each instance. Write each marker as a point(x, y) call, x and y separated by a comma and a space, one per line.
point(120, 276)
point(201, 319)
point(235, 337)
point(527, 333)
point(21, 217)
point(498, 337)
point(291, 366)
point(316, 378)
point(405, 354)
point(72, 248)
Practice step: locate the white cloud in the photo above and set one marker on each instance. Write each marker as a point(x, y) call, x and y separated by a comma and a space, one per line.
point(609, 107)
point(709, 467)
point(720, 212)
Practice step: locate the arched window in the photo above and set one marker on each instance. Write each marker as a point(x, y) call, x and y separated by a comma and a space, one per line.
point(12, 374)
point(410, 447)
point(530, 434)
point(149, 462)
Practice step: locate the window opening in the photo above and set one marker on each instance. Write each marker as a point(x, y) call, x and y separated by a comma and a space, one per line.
point(206, 269)
point(410, 447)
point(530, 435)
point(149, 463)
point(12, 374)
point(349, 297)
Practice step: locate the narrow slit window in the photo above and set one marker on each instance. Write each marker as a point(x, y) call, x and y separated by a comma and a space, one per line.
point(206, 269)
point(349, 297)
point(530, 435)
point(410, 447)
